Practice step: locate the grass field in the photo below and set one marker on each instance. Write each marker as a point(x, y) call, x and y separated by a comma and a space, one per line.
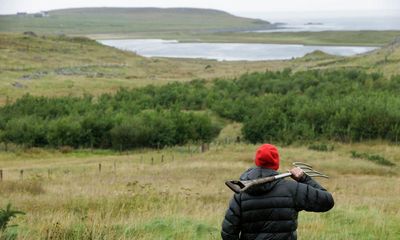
point(129, 20)
point(184, 196)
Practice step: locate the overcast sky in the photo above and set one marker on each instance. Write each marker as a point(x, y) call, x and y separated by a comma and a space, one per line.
point(235, 6)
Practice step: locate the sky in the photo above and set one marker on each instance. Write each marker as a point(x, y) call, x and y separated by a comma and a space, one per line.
point(233, 6)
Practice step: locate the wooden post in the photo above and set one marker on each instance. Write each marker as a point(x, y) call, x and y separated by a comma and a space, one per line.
point(152, 160)
point(99, 167)
point(237, 139)
point(162, 158)
point(21, 174)
point(1, 175)
point(203, 147)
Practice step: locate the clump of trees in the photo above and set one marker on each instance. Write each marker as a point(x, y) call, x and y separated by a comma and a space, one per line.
point(148, 128)
point(344, 105)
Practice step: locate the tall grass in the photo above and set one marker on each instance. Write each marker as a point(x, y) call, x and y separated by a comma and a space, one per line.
point(184, 197)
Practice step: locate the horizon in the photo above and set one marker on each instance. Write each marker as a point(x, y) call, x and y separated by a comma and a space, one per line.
point(237, 7)
point(264, 15)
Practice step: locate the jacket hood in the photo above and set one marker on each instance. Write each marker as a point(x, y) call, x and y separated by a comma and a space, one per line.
point(259, 172)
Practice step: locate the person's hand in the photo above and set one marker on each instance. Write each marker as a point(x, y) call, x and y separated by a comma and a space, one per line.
point(297, 173)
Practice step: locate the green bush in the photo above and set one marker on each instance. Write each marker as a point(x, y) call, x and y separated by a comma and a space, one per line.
point(321, 147)
point(8, 232)
point(373, 158)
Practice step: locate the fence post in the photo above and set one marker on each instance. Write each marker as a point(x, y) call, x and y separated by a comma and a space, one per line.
point(162, 158)
point(152, 160)
point(21, 174)
point(204, 147)
point(99, 167)
point(1, 175)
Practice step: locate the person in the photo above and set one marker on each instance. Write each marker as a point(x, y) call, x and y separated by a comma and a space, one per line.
point(270, 211)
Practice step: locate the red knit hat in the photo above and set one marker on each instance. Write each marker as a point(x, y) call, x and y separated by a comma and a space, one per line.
point(267, 156)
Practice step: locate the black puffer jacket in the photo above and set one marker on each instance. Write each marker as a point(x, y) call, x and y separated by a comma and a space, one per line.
point(270, 210)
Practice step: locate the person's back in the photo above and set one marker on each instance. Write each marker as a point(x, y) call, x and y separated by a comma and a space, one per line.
point(270, 211)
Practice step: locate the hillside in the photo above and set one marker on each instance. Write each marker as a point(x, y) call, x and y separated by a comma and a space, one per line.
point(129, 20)
point(385, 60)
point(57, 65)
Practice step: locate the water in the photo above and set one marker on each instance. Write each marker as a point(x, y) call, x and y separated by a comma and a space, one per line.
point(331, 21)
point(226, 51)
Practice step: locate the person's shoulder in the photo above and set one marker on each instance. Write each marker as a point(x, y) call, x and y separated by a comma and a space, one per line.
point(288, 184)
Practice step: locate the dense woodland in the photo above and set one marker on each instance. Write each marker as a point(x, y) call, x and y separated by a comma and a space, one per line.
point(341, 105)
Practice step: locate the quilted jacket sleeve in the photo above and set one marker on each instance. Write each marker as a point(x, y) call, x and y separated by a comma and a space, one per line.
point(231, 222)
point(310, 196)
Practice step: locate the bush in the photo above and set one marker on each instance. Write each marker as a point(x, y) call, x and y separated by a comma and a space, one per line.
point(373, 158)
point(6, 215)
point(29, 131)
point(65, 131)
point(162, 128)
point(321, 147)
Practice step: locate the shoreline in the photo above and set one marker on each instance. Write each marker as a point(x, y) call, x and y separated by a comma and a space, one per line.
point(323, 38)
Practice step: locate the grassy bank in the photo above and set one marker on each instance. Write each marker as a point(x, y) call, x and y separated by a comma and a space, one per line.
point(328, 38)
point(184, 197)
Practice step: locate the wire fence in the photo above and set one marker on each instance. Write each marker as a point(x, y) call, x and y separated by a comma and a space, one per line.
point(142, 156)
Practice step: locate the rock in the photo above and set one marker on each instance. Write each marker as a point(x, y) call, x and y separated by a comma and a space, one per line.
point(18, 85)
point(30, 33)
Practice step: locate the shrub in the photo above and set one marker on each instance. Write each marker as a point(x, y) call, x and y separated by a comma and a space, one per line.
point(321, 147)
point(6, 215)
point(65, 131)
point(373, 158)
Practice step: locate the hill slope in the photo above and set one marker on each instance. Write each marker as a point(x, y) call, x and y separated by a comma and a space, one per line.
point(129, 20)
point(57, 65)
point(385, 60)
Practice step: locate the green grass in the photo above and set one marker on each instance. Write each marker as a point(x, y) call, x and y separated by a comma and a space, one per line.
point(129, 20)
